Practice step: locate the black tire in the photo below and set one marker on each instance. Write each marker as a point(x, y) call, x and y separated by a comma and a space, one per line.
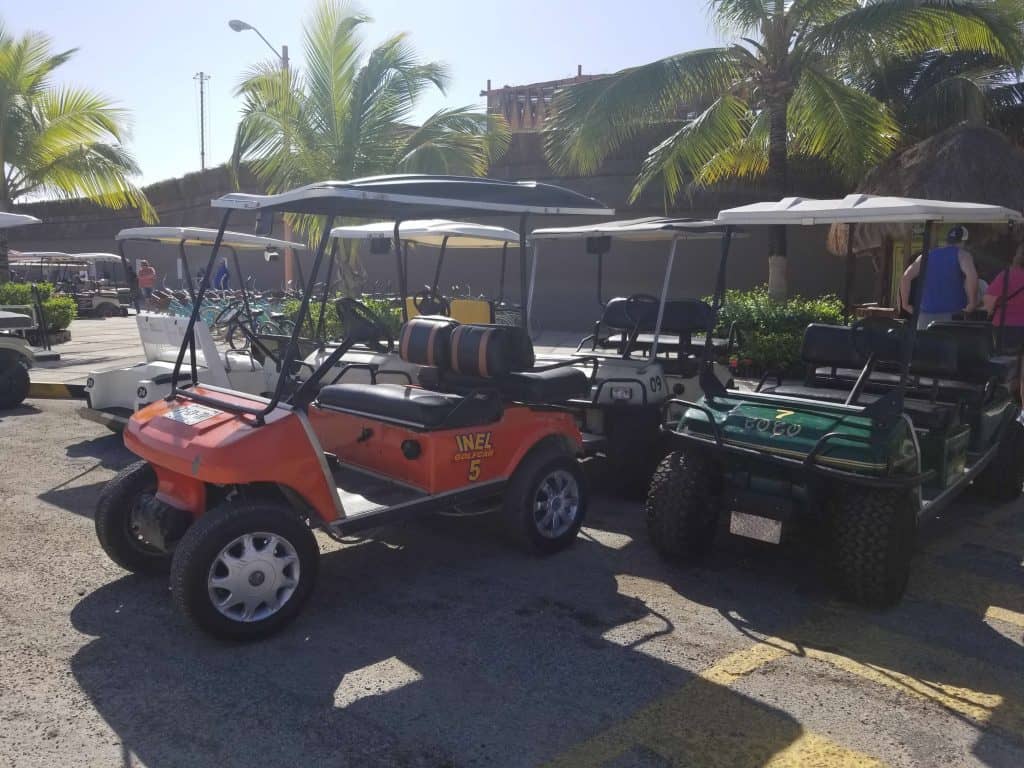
point(529, 484)
point(114, 521)
point(682, 507)
point(201, 546)
point(872, 542)
point(14, 384)
point(105, 310)
point(1003, 478)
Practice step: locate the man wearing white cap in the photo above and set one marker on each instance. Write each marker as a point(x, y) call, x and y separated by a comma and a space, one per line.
point(951, 284)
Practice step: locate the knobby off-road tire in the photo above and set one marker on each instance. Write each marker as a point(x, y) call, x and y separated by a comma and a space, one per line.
point(1002, 479)
point(113, 521)
point(14, 384)
point(259, 552)
point(682, 507)
point(872, 542)
point(545, 502)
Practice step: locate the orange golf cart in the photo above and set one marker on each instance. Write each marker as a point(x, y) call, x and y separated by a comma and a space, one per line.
point(231, 486)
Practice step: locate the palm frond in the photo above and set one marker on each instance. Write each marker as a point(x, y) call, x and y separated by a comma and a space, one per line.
point(455, 141)
point(590, 120)
point(834, 121)
point(741, 16)
point(679, 157)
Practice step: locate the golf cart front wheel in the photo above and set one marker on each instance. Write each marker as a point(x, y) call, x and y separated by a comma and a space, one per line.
point(244, 569)
point(682, 507)
point(872, 537)
point(14, 385)
point(117, 525)
point(546, 500)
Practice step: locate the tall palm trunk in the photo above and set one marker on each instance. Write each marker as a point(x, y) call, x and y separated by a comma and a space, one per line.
point(778, 175)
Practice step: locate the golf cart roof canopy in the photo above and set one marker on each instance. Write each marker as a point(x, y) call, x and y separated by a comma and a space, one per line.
point(433, 232)
point(649, 229)
point(203, 236)
point(8, 220)
point(40, 256)
point(865, 209)
point(419, 196)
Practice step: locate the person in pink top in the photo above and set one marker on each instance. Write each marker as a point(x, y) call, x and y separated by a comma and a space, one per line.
point(1004, 302)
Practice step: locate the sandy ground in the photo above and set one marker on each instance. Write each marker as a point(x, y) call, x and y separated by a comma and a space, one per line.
point(437, 644)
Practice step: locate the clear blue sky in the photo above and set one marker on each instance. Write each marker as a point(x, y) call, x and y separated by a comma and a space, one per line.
point(144, 53)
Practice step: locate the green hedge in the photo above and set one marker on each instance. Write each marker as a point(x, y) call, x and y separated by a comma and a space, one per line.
point(771, 331)
point(60, 310)
point(382, 309)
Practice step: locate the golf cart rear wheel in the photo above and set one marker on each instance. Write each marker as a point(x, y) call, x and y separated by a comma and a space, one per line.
point(116, 528)
point(682, 508)
point(872, 542)
point(1002, 479)
point(244, 569)
point(546, 500)
point(14, 384)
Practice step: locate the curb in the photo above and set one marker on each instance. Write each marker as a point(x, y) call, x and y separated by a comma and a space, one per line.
point(46, 391)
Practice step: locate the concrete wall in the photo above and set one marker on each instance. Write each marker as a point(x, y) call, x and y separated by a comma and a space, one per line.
point(566, 279)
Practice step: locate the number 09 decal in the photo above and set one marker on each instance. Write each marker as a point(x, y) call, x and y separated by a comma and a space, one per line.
point(473, 448)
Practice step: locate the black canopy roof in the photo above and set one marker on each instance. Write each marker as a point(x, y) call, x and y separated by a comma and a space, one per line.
point(412, 196)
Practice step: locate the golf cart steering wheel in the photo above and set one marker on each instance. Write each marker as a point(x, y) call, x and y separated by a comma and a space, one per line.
point(361, 326)
point(429, 302)
point(634, 307)
point(868, 332)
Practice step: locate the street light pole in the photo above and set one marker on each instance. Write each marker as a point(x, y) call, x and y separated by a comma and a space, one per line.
point(289, 256)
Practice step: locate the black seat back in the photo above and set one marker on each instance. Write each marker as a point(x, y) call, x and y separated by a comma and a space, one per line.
point(833, 346)
point(974, 348)
point(427, 341)
point(490, 351)
point(830, 345)
point(681, 316)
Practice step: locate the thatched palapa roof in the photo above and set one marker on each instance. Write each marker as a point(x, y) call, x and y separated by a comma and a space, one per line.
point(965, 163)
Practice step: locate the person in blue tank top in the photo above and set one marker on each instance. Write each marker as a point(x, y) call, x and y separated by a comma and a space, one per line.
point(951, 284)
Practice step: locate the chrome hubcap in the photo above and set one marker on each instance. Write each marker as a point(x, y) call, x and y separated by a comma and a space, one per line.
point(556, 504)
point(253, 577)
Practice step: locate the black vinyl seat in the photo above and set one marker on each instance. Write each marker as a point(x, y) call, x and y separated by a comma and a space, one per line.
point(470, 371)
point(412, 406)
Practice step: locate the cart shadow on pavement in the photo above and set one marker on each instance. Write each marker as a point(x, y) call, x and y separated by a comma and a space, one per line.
point(435, 644)
point(22, 410)
point(76, 494)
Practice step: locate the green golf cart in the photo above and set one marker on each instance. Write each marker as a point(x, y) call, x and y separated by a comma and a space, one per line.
point(890, 426)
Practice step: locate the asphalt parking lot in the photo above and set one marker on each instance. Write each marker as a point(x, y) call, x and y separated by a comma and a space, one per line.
point(437, 644)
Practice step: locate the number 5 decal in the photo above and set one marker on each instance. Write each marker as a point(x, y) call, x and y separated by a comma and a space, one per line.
point(474, 470)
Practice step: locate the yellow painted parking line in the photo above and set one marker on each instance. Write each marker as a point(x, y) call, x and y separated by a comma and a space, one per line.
point(969, 687)
point(42, 390)
point(705, 723)
point(987, 597)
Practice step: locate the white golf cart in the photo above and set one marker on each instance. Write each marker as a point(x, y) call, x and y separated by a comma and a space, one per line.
point(103, 289)
point(113, 395)
point(16, 356)
point(642, 352)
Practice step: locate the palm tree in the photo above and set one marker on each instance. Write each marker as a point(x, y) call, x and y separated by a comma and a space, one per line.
point(347, 116)
point(782, 91)
point(58, 141)
point(929, 92)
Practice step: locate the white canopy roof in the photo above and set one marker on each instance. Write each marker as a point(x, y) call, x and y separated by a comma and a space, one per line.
point(203, 236)
point(39, 256)
point(8, 220)
point(433, 232)
point(866, 209)
point(649, 229)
